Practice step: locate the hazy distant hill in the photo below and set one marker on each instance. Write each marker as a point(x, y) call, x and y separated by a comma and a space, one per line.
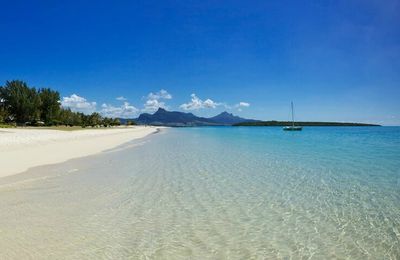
point(175, 118)
point(229, 119)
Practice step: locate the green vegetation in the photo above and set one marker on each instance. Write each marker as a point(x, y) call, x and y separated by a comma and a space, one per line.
point(289, 123)
point(24, 105)
point(130, 122)
point(6, 125)
point(19, 102)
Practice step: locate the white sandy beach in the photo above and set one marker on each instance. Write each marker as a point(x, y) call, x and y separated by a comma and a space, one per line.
point(21, 149)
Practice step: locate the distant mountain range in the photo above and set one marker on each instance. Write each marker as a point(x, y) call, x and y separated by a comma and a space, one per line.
point(175, 118)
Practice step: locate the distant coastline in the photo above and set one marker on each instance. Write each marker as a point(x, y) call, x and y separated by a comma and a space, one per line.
point(288, 123)
point(163, 117)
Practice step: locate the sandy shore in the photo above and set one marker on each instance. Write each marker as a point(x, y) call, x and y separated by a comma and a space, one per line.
point(21, 149)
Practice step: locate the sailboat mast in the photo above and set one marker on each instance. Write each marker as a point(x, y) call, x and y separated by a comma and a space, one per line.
point(292, 115)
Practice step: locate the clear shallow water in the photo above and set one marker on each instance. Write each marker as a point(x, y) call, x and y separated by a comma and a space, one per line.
point(214, 193)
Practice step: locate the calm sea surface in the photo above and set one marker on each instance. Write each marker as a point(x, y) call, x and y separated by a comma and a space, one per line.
point(214, 193)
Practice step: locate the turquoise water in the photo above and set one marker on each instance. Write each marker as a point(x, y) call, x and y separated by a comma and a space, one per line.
point(214, 193)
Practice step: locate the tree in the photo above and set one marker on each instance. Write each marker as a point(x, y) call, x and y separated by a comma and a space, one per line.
point(95, 119)
point(130, 122)
point(3, 112)
point(50, 105)
point(20, 101)
point(115, 122)
point(65, 117)
point(107, 121)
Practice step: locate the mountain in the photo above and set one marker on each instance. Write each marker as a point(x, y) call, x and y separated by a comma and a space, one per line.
point(229, 119)
point(175, 118)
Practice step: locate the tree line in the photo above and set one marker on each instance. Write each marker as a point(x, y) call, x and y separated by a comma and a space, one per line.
point(299, 123)
point(24, 105)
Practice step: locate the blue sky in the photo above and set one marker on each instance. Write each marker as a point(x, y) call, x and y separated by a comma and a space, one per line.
point(337, 60)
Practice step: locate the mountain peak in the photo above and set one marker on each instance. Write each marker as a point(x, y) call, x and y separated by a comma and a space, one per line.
point(161, 110)
point(226, 114)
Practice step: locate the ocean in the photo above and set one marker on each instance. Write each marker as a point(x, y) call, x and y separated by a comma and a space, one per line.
point(214, 193)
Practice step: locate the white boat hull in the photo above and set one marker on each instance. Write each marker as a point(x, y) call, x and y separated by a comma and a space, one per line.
point(293, 128)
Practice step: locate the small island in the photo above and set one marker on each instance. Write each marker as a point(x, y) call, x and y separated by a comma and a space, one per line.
point(289, 123)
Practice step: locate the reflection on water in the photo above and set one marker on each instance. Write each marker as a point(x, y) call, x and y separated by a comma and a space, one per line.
point(238, 193)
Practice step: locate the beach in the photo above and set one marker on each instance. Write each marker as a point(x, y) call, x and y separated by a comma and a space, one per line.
point(212, 193)
point(24, 148)
point(200, 130)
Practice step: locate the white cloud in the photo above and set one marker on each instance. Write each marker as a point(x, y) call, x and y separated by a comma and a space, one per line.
point(121, 98)
point(79, 104)
point(154, 102)
point(208, 103)
point(152, 105)
point(126, 110)
point(243, 104)
point(196, 103)
point(162, 94)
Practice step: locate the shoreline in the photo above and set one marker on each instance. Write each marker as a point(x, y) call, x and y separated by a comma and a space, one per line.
point(25, 148)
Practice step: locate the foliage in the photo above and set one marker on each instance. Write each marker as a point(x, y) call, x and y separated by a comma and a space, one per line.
point(289, 123)
point(25, 105)
point(49, 106)
point(115, 122)
point(20, 101)
point(3, 112)
point(130, 122)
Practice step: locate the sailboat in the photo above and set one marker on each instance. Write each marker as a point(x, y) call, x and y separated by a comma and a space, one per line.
point(292, 127)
